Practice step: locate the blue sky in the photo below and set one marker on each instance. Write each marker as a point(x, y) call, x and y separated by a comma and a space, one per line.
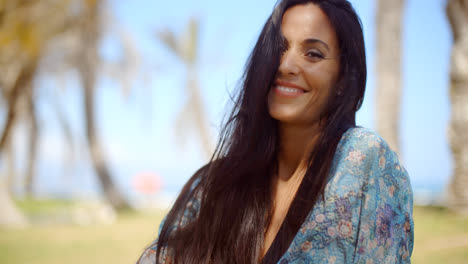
point(138, 129)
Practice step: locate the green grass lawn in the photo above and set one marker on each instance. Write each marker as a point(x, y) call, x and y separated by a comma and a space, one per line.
point(120, 242)
point(441, 237)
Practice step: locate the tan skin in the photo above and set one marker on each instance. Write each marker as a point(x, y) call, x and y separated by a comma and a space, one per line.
point(305, 80)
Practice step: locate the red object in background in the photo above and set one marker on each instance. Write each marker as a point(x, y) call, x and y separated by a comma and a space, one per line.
point(147, 182)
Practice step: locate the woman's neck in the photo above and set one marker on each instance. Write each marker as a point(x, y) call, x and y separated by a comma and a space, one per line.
point(296, 144)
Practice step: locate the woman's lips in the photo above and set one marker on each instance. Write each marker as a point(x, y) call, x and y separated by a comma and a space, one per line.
point(288, 89)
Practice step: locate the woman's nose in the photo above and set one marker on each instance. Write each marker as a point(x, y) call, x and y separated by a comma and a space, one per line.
point(288, 64)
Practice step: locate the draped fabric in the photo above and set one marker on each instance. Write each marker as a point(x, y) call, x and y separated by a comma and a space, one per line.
point(366, 216)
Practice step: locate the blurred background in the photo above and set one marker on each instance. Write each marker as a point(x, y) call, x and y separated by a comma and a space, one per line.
point(107, 107)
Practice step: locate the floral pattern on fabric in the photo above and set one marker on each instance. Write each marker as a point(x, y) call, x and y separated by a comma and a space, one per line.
point(366, 214)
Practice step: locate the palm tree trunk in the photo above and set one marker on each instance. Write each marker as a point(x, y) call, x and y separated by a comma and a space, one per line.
point(389, 24)
point(10, 216)
point(10, 167)
point(23, 80)
point(457, 12)
point(87, 69)
point(199, 114)
point(33, 143)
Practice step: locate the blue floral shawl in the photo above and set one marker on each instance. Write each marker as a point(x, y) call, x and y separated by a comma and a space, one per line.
point(366, 216)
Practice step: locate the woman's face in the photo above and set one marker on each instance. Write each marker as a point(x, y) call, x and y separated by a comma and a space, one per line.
point(308, 69)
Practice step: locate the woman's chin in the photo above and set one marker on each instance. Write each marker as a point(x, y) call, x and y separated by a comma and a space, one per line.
point(295, 118)
point(285, 116)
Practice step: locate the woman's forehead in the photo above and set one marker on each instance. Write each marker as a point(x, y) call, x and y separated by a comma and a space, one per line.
point(307, 21)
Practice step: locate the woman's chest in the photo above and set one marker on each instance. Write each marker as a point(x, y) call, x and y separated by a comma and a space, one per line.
point(282, 199)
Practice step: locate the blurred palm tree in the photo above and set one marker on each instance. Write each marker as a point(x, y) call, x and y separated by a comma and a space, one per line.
point(457, 12)
point(55, 36)
point(389, 23)
point(87, 64)
point(185, 47)
point(22, 43)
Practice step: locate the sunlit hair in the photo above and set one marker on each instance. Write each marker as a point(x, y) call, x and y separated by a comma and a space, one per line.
point(235, 187)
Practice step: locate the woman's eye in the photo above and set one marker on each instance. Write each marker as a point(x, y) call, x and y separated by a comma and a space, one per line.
point(315, 55)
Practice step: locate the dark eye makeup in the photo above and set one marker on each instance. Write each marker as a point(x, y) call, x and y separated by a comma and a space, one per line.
point(311, 52)
point(314, 55)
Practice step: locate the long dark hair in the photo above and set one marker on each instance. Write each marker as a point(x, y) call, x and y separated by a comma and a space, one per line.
point(234, 202)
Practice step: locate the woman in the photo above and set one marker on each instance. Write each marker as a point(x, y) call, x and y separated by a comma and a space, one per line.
point(293, 180)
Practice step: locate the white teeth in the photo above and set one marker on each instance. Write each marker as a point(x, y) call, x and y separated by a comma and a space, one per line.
point(288, 89)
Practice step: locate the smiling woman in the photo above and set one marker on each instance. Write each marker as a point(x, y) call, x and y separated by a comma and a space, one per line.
point(293, 179)
point(308, 69)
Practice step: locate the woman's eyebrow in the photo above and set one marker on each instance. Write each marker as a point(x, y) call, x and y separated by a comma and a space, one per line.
point(314, 41)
